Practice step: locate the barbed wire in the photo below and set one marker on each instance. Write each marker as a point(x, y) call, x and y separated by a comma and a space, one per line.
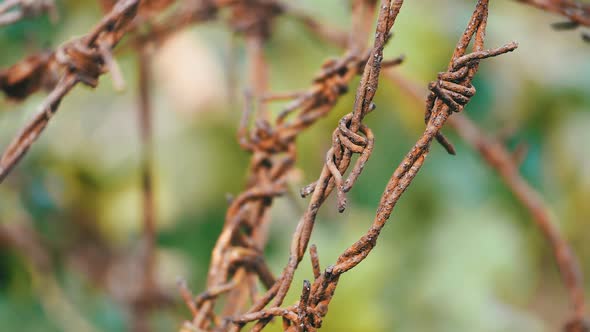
point(506, 164)
point(82, 60)
point(347, 139)
point(237, 261)
point(22, 79)
point(239, 248)
point(449, 94)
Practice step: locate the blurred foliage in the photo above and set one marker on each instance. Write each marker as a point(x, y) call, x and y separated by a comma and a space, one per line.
point(460, 254)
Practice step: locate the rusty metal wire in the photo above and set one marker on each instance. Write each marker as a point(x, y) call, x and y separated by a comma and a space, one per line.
point(506, 164)
point(12, 11)
point(350, 137)
point(237, 260)
point(85, 59)
point(449, 94)
point(82, 60)
point(237, 263)
point(42, 71)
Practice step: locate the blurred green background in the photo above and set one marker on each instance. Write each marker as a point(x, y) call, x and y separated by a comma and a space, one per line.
point(459, 253)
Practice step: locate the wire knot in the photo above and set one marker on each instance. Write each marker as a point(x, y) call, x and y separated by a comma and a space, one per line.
point(448, 89)
point(86, 63)
point(452, 93)
point(345, 142)
point(453, 87)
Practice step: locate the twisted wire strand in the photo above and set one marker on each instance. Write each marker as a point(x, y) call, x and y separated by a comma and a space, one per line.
point(322, 188)
point(84, 64)
point(267, 143)
point(80, 59)
point(447, 98)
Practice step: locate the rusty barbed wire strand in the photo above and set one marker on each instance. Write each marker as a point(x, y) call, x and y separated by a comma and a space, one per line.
point(506, 164)
point(348, 142)
point(46, 69)
point(12, 11)
point(82, 61)
point(49, 62)
point(268, 143)
point(350, 137)
point(266, 180)
point(26, 83)
point(316, 102)
point(269, 167)
point(41, 71)
point(449, 94)
point(497, 157)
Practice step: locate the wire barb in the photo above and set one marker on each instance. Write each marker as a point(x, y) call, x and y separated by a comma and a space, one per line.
point(83, 63)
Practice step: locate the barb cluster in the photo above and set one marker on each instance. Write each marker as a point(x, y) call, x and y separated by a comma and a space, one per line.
point(84, 60)
point(347, 140)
